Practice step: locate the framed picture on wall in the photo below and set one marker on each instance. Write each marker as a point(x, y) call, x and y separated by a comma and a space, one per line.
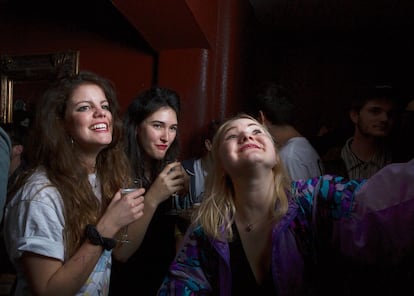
point(25, 77)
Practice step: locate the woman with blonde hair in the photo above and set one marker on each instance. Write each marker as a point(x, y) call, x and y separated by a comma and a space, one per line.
point(258, 233)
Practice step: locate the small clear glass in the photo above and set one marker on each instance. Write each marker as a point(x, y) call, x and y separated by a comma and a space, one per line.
point(174, 200)
point(137, 183)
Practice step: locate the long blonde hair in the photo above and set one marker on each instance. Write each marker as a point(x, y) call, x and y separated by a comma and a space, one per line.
point(217, 210)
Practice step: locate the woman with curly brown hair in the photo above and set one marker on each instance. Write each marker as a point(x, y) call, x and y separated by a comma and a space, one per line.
point(62, 222)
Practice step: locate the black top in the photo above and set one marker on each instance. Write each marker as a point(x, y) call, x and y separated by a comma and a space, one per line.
point(144, 271)
point(243, 280)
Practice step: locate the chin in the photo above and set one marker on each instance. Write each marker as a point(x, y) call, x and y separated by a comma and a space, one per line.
point(106, 143)
point(380, 135)
point(158, 156)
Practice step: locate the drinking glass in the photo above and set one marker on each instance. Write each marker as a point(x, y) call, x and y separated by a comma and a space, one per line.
point(174, 199)
point(137, 183)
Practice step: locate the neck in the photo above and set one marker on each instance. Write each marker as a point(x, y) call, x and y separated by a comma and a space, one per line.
point(253, 199)
point(364, 147)
point(89, 163)
point(14, 164)
point(283, 133)
point(253, 218)
point(206, 162)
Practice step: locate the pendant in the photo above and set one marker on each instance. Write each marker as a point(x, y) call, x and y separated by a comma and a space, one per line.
point(249, 227)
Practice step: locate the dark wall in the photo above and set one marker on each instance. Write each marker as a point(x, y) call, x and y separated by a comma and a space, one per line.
point(323, 69)
point(216, 73)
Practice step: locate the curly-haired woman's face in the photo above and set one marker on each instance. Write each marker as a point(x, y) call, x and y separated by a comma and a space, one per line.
point(88, 119)
point(157, 132)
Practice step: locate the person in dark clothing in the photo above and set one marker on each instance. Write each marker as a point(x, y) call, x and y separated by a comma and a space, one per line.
point(152, 145)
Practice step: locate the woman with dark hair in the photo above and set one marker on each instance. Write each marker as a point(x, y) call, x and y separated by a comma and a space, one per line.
point(62, 221)
point(151, 127)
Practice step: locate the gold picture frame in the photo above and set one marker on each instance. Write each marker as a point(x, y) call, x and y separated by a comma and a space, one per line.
point(27, 70)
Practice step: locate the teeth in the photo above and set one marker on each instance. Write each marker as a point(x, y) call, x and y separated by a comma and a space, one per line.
point(99, 126)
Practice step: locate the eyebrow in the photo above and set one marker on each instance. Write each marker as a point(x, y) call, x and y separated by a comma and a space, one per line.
point(233, 127)
point(162, 122)
point(89, 101)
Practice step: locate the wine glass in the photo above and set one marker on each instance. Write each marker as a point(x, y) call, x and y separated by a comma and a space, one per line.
point(174, 199)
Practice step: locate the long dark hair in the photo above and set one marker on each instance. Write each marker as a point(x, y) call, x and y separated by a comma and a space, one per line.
point(143, 105)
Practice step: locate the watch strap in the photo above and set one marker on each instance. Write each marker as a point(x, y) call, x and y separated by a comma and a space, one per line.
point(97, 239)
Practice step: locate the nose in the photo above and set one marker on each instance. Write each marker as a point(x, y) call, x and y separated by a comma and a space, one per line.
point(244, 136)
point(165, 136)
point(100, 112)
point(384, 116)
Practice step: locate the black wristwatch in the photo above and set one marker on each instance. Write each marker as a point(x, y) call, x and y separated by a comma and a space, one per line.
point(93, 235)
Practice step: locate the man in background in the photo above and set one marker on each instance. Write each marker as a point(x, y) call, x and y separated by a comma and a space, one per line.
point(275, 108)
point(373, 113)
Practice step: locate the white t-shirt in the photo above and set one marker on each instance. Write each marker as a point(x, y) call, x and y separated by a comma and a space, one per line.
point(34, 222)
point(300, 159)
point(200, 176)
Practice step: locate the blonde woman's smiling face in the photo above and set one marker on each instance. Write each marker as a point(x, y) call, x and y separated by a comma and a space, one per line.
point(244, 143)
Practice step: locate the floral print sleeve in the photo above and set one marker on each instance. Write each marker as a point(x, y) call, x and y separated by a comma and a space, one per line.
point(329, 196)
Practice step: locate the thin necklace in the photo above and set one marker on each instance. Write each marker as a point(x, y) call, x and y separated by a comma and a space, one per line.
point(250, 226)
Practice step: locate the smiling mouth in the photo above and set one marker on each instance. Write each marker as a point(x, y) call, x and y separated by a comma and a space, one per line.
point(249, 146)
point(99, 127)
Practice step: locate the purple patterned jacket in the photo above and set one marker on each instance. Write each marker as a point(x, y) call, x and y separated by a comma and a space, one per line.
point(359, 224)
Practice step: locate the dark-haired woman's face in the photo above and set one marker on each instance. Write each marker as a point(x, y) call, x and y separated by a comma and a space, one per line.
point(88, 119)
point(157, 132)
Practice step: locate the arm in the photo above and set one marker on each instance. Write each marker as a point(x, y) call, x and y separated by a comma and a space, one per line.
point(327, 198)
point(161, 189)
point(383, 219)
point(34, 228)
point(5, 154)
point(187, 275)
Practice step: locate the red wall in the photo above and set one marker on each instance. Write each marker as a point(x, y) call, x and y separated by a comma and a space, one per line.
point(202, 49)
point(195, 47)
point(128, 67)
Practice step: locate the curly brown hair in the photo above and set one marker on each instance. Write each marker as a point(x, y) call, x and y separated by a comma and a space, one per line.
point(51, 149)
